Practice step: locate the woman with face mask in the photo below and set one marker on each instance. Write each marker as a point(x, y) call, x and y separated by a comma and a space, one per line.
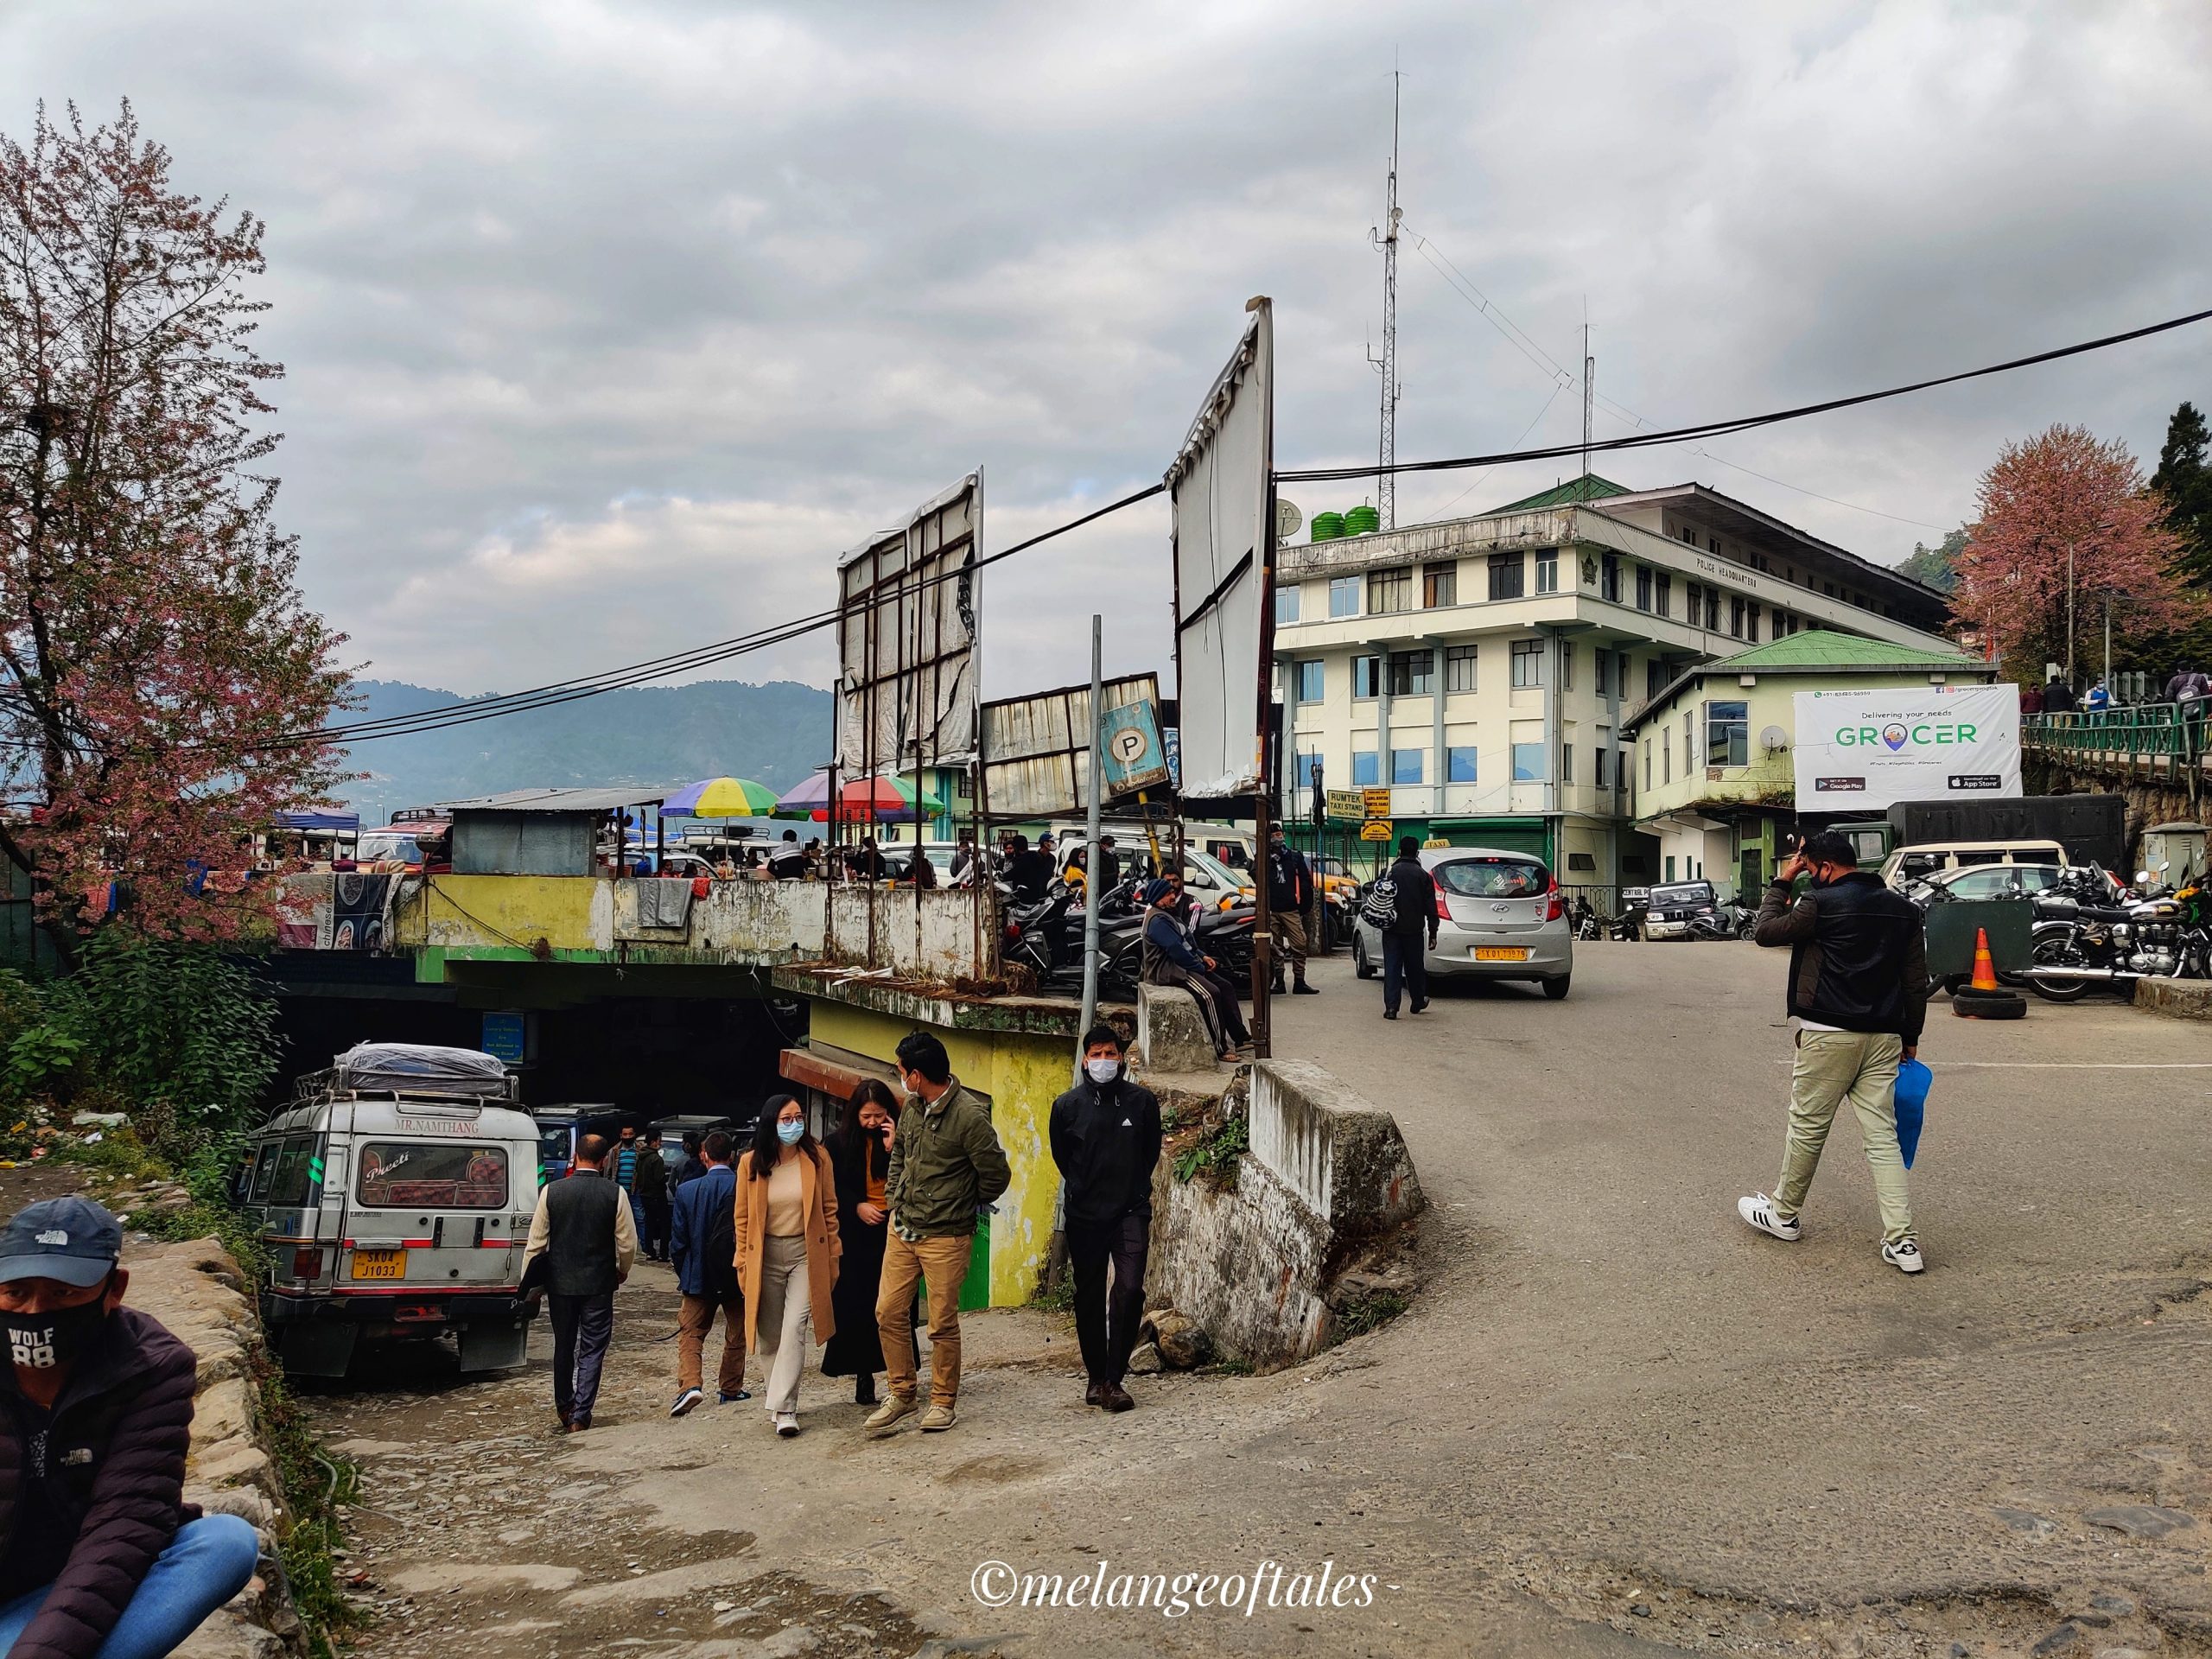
point(787, 1250)
point(860, 1151)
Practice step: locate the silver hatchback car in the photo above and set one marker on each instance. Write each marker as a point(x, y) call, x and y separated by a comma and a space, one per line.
point(1501, 916)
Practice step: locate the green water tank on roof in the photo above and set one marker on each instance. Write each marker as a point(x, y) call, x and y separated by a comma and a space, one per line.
point(1328, 526)
point(1362, 521)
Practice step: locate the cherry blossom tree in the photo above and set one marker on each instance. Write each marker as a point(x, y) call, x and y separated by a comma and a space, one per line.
point(153, 647)
point(2063, 517)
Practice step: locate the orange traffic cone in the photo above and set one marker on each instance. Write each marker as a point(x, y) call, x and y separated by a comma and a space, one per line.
point(1985, 970)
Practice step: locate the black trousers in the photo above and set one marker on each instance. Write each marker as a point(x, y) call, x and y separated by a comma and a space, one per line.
point(654, 1241)
point(1106, 1324)
point(1403, 959)
point(583, 1327)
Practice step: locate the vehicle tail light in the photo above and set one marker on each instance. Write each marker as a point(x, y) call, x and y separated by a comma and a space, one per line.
point(1014, 929)
point(306, 1261)
point(1557, 907)
point(1443, 911)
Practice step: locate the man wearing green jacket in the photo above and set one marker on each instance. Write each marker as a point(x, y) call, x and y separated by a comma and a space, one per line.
point(946, 1169)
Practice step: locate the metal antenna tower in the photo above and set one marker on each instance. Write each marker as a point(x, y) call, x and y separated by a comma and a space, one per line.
point(1386, 481)
point(1589, 393)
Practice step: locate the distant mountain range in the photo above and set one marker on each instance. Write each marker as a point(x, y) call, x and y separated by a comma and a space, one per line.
point(652, 735)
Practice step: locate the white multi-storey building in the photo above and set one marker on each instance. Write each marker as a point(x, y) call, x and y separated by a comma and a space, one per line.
point(1480, 668)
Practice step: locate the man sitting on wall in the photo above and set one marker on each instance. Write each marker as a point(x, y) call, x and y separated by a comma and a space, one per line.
point(102, 1555)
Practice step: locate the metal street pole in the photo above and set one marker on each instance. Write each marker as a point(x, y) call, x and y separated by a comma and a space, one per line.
point(2108, 679)
point(1091, 894)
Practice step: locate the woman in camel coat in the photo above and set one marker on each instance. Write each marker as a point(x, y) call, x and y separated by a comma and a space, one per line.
point(787, 1250)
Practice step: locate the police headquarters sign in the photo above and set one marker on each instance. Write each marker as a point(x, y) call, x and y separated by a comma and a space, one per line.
point(1867, 749)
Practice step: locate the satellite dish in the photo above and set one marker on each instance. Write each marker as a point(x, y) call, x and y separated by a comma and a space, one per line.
point(1774, 739)
point(1287, 519)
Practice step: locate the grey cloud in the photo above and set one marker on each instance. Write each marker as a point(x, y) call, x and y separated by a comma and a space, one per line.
point(608, 324)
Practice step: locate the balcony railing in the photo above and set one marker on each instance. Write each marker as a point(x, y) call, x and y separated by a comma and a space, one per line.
point(2146, 731)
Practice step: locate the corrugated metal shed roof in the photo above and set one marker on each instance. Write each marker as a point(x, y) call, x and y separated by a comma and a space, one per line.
point(1588, 487)
point(1826, 648)
point(559, 800)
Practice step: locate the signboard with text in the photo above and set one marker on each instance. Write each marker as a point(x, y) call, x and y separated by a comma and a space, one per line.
point(1347, 805)
point(1860, 751)
point(1377, 802)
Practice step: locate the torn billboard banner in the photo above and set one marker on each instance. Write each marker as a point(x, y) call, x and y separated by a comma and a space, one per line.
point(1224, 529)
point(1037, 761)
point(906, 640)
point(1861, 751)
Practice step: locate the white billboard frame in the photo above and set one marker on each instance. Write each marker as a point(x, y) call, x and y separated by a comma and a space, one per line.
point(1866, 750)
point(1221, 492)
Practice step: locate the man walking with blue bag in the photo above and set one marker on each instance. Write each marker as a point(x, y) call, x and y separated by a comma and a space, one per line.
point(1859, 991)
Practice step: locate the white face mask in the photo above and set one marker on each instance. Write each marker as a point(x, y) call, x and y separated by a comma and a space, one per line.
point(1103, 1071)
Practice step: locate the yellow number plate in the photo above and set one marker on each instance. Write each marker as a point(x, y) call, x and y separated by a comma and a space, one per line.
point(379, 1264)
point(1484, 953)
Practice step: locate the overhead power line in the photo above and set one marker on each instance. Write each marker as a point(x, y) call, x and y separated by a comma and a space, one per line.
point(1748, 422)
point(463, 714)
point(560, 691)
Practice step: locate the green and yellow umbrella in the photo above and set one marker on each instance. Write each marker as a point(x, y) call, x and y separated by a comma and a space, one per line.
point(721, 798)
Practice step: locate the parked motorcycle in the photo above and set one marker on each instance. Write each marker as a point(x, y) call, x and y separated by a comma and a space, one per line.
point(2088, 934)
point(1587, 922)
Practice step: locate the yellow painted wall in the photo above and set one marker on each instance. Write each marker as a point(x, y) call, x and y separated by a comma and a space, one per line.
point(1023, 1075)
point(502, 913)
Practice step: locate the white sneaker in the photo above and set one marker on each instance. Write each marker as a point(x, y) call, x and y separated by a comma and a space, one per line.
point(1758, 1211)
point(1906, 1256)
point(787, 1424)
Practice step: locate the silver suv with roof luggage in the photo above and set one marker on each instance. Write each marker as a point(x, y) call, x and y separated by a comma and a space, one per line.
point(394, 1197)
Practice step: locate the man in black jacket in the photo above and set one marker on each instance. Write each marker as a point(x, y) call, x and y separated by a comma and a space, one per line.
point(1403, 959)
point(584, 1229)
point(1858, 991)
point(1105, 1135)
point(102, 1555)
point(651, 1183)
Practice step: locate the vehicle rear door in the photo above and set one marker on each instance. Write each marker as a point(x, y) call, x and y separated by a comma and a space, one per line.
point(1499, 898)
point(437, 1205)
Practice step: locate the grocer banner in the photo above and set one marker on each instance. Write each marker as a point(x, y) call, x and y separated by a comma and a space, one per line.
point(1865, 749)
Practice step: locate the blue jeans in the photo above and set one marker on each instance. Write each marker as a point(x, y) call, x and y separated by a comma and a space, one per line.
point(1404, 962)
point(206, 1563)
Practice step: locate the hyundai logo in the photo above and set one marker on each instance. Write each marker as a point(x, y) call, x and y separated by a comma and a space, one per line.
point(1502, 909)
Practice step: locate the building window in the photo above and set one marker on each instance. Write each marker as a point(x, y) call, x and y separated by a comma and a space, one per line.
point(1366, 772)
point(1528, 663)
point(1365, 671)
point(1459, 668)
point(1662, 596)
point(1459, 763)
point(1643, 587)
point(1311, 681)
point(1567, 763)
point(1309, 769)
point(1689, 746)
point(1655, 676)
point(1405, 766)
point(1713, 610)
point(1736, 616)
point(1565, 665)
point(1439, 586)
point(1410, 673)
point(1604, 660)
point(1343, 596)
point(1666, 755)
point(1285, 605)
point(1647, 763)
point(1690, 592)
point(1506, 574)
point(1388, 591)
point(1609, 577)
point(1528, 763)
point(1712, 544)
point(1727, 734)
point(1547, 569)
point(1670, 867)
point(1598, 756)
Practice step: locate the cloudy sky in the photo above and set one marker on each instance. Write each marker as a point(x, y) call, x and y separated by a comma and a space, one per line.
point(609, 321)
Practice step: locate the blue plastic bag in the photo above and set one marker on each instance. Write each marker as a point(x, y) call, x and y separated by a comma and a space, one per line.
point(1911, 1098)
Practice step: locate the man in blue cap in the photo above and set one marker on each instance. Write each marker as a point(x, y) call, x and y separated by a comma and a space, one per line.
point(102, 1555)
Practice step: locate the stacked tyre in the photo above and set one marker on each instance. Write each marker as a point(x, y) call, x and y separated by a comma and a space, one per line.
point(2000, 1004)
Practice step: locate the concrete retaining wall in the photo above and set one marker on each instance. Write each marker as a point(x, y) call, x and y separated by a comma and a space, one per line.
point(198, 1291)
point(2181, 999)
point(1326, 1185)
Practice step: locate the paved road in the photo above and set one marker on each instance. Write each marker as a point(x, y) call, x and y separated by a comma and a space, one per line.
point(1610, 1396)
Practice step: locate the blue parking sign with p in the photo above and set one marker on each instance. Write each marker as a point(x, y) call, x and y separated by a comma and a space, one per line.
point(1135, 757)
